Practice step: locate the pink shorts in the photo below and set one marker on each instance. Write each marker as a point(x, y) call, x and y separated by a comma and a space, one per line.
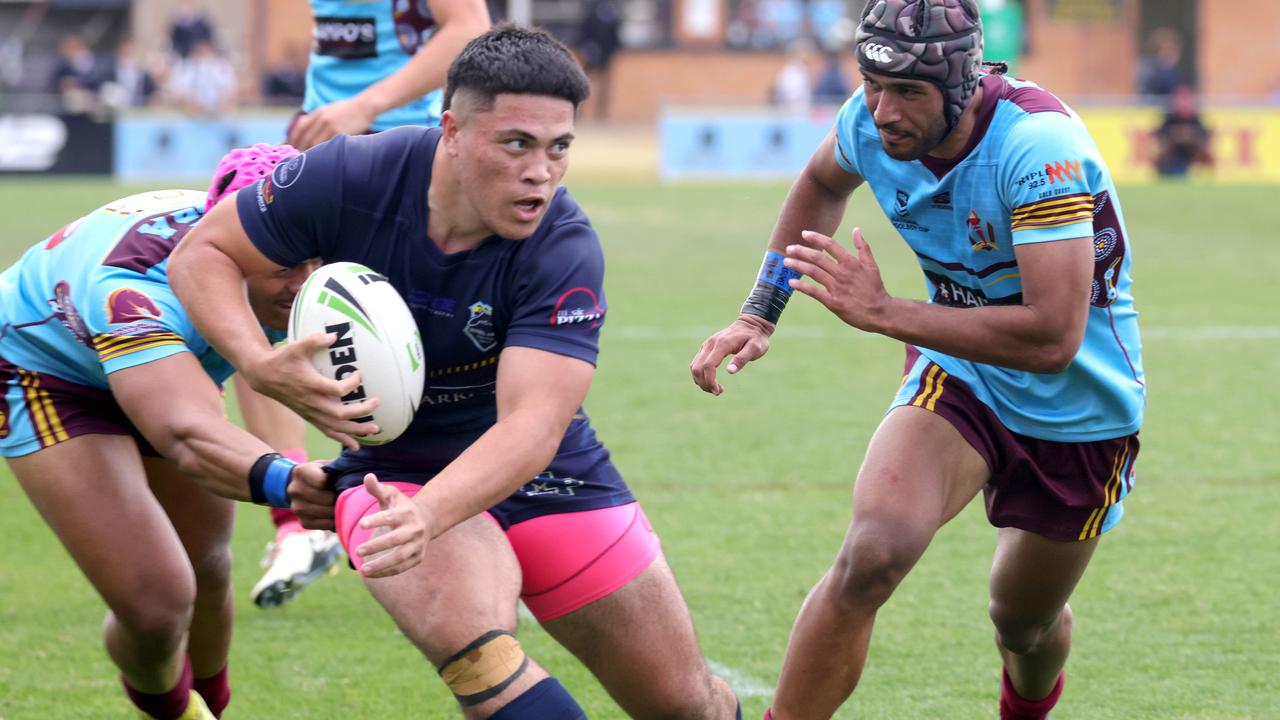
point(567, 559)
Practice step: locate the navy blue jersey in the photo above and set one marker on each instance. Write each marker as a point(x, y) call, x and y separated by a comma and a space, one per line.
point(364, 199)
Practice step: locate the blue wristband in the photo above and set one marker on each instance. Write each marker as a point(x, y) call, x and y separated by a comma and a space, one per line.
point(275, 486)
point(775, 273)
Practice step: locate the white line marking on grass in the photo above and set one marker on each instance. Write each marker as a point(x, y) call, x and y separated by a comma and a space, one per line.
point(640, 333)
point(744, 685)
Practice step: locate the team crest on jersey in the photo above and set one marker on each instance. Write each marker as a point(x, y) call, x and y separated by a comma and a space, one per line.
point(980, 237)
point(68, 315)
point(126, 305)
point(900, 203)
point(579, 305)
point(479, 329)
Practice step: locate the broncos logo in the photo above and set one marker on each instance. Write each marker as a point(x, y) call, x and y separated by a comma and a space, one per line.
point(126, 305)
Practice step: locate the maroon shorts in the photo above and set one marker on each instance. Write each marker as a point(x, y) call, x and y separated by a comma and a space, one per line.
point(38, 410)
point(1060, 490)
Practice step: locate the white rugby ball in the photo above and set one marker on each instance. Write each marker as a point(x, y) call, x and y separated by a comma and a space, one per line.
point(377, 335)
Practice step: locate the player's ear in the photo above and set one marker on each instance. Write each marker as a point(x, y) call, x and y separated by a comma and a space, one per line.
point(449, 127)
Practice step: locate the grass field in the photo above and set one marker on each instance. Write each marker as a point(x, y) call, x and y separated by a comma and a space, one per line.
point(1176, 619)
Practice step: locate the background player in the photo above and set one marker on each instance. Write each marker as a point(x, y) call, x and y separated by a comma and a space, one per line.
point(503, 272)
point(99, 370)
point(392, 74)
point(1024, 376)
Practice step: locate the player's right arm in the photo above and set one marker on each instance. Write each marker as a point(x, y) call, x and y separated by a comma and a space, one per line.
point(207, 271)
point(816, 201)
point(178, 409)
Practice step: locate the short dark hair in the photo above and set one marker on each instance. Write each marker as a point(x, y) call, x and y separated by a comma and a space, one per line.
point(518, 60)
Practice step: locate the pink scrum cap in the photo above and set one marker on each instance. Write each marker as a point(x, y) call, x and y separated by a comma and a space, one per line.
point(244, 166)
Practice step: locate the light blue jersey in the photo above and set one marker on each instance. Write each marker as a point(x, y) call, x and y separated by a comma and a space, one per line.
point(356, 43)
point(1031, 174)
point(94, 297)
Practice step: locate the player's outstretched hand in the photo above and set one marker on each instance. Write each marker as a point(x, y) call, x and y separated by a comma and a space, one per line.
point(287, 375)
point(402, 539)
point(344, 117)
point(310, 497)
point(848, 285)
point(746, 339)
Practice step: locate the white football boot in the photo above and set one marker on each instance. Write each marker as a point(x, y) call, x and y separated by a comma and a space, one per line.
point(295, 562)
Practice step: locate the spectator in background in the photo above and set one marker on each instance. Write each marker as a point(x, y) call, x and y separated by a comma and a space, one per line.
point(128, 83)
point(286, 83)
point(203, 84)
point(189, 27)
point(793, 87)
point(77, 76)
point(1159, 70)
point(1182, 140)
point(598, 40)
point(832, 87)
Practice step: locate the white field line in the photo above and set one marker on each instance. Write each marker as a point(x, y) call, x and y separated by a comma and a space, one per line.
point(640, 333)
point(744, 685)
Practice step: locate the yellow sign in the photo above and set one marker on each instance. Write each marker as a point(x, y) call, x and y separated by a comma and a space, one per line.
point(1245, 143)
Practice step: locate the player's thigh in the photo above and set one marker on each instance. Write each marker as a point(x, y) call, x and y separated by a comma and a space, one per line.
point(466, 585)
point(639, 640)
point(203, 521)
point(92, 491)
point(919, 471)
point(1032, 577)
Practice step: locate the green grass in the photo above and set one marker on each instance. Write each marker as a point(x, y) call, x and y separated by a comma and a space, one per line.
point(1176, 618)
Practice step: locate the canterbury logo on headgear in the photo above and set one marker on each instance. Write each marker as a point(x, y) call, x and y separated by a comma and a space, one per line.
point(877, 52)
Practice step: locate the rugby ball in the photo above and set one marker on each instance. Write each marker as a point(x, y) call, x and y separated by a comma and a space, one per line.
point(376, 334)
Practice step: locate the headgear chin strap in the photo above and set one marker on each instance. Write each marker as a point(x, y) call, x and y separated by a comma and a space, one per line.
point(935, 40)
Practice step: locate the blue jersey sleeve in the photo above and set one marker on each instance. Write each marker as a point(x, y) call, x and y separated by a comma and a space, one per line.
point(294, 214)
point(1049, 173)
point(559, 299)
point(135, 319)
point(847, 133)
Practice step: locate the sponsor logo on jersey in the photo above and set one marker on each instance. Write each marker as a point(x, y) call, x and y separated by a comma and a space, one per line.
point(577, 306)
point(287, 172)
point(980, 237)
point(420, 299)
point(479, 328)
point(346, 38)
point(877, 52)
point(268, 195)
point(126, 305)
point(63, 233)
point(942, 201)
point(953, 294)
point(1063, 171)
point(68, 315)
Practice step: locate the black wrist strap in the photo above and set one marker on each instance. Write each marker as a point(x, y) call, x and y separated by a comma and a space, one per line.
point(258, 475)
point(767, 301)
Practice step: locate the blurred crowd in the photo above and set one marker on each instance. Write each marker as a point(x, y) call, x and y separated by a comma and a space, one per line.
point(193, 73)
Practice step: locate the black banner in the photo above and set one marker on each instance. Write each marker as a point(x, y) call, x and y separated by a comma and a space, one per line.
point(45, 143)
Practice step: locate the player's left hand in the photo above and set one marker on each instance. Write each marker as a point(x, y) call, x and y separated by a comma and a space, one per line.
point(344, 117)
point(848, 285)
point(310, 497)
point(401, 542)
